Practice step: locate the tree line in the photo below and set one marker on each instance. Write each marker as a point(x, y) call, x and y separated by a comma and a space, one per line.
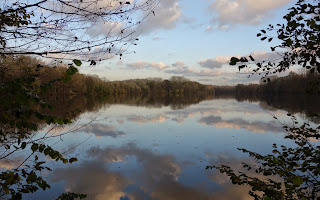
point(81, 84)
point(292, 84)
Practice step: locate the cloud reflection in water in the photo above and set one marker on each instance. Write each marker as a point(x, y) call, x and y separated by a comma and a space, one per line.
point(156, 177)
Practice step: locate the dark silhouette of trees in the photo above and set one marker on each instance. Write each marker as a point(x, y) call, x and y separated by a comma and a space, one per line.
point(299, 41)
point(19, 103)
point(293, 84)
point(297, 166)
point(13, 67)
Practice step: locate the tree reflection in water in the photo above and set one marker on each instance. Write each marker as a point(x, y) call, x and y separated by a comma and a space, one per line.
point(298, 167)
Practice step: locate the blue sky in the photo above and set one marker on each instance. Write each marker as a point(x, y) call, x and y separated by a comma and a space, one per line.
point(195, 39)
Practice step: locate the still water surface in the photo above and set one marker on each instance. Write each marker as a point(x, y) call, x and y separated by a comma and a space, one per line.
point(137, 152)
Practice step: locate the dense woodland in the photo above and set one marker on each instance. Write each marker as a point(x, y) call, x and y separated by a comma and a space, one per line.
point(152, 88)
point(292, 84)
point(80, 84)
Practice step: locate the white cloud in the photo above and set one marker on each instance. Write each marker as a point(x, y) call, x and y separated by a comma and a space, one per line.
point(219, 61)
point(178, 64)
point(216, 62)
point(248, 12)
point(108, 28)
point(189, 71)
point(265, 56)
point(148, 65)
point(166, 15)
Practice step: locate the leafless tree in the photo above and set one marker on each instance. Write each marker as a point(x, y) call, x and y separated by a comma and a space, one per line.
point(69, 29)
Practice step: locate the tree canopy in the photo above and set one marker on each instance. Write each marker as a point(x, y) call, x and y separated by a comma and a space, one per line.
point(297, 166)
point(84, 29)
point(299, 40)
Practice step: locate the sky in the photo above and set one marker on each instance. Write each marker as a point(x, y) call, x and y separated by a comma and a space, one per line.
point(196, 39)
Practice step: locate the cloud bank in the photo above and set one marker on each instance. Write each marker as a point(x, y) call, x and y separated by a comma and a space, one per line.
point(147, 65)
point(213, 63)
point(246, 12)
point(166, 15)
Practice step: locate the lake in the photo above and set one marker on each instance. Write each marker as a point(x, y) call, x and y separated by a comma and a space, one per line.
point(142, 149)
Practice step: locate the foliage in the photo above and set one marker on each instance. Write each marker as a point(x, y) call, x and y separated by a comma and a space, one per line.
point(19, 102)
point(71, 196)
point(298, 168)
point(52, 29)
point(293, 84)
point(81, 84)
point(299, 41)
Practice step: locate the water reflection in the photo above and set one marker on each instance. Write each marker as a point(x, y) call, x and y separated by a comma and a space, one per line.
point(104, 130)
point(155, 177)
point(94, 177)
point(238, 123)
point(140, 151)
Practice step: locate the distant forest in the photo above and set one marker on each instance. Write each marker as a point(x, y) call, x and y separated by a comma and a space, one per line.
point(293, 84)
point(80, 84)
point(88, 92)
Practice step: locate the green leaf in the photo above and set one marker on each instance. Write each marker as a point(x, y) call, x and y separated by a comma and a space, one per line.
point(281, 36)
point(34, 147)
point(66, 121)
point(233, 61)
point(243, 59)
point(71, 160)
point(297, 180)
point(77, 62)
point(289, 42)
point(241, 67)
point(23, 145)
point(72, 70)
point(47, 151)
